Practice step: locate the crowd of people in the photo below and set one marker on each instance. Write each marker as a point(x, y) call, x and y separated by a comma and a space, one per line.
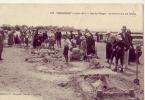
point(121, 48)
point(78, 46)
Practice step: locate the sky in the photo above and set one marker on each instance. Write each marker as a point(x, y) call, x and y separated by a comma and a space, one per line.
point(32, 14)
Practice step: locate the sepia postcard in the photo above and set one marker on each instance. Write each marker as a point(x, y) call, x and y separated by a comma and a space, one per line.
point(72, 51)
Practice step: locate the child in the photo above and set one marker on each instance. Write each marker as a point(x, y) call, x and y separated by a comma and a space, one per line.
point(113, 54)
point(65, 53)
point(120, 47)
point(67, 44)
point(84, 47)
point(27, 40)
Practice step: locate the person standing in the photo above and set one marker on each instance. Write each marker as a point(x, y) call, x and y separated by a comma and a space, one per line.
point(27, 40)
point(1, 43)
point(44, 36)
point(36, 41)
point(71, 35)
point(126, 38)
point(67, 46)
point(22, 37)
point(73, 42)
point(5, 40)
point(84, 47)
point(10, 38)
point(120, 47)
point(58, 38)
point(101, 36)
point(16, 39)
point(90, 44)
point(97, 36)
point(132, 56)
point(79, 33)
point(108, 47)
point(78, 40)
point(113, 42)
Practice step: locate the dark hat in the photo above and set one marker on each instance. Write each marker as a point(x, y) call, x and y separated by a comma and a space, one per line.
point(123, 27)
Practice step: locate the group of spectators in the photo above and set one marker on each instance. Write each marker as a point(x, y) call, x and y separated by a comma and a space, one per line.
point(75, 46)
point(79, 46)
point(13, 37)
point(121, 48)
point(47, 39)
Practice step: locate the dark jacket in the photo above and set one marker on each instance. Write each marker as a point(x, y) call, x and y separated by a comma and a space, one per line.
point(120, 47)
point(58, 35)
point(44, 37)
point(127, 39)
point(37, 41)
point(90, 45)
point(71, 36)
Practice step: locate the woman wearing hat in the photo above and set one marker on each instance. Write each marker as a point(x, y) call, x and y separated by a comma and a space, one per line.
point(90, 44)
point(11, 38)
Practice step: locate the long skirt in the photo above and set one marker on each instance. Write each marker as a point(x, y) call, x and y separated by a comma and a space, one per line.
point(17, 40)
point(10, 41)
point(108, 50)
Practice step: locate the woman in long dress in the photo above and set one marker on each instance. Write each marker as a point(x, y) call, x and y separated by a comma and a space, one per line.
point(10, 38)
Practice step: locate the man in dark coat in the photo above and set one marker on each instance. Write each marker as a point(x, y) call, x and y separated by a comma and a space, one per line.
point(58, 38)
point(36, 41)
point(126, 38)
point(71, 36)
point(1, 43)
point(44, 36)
